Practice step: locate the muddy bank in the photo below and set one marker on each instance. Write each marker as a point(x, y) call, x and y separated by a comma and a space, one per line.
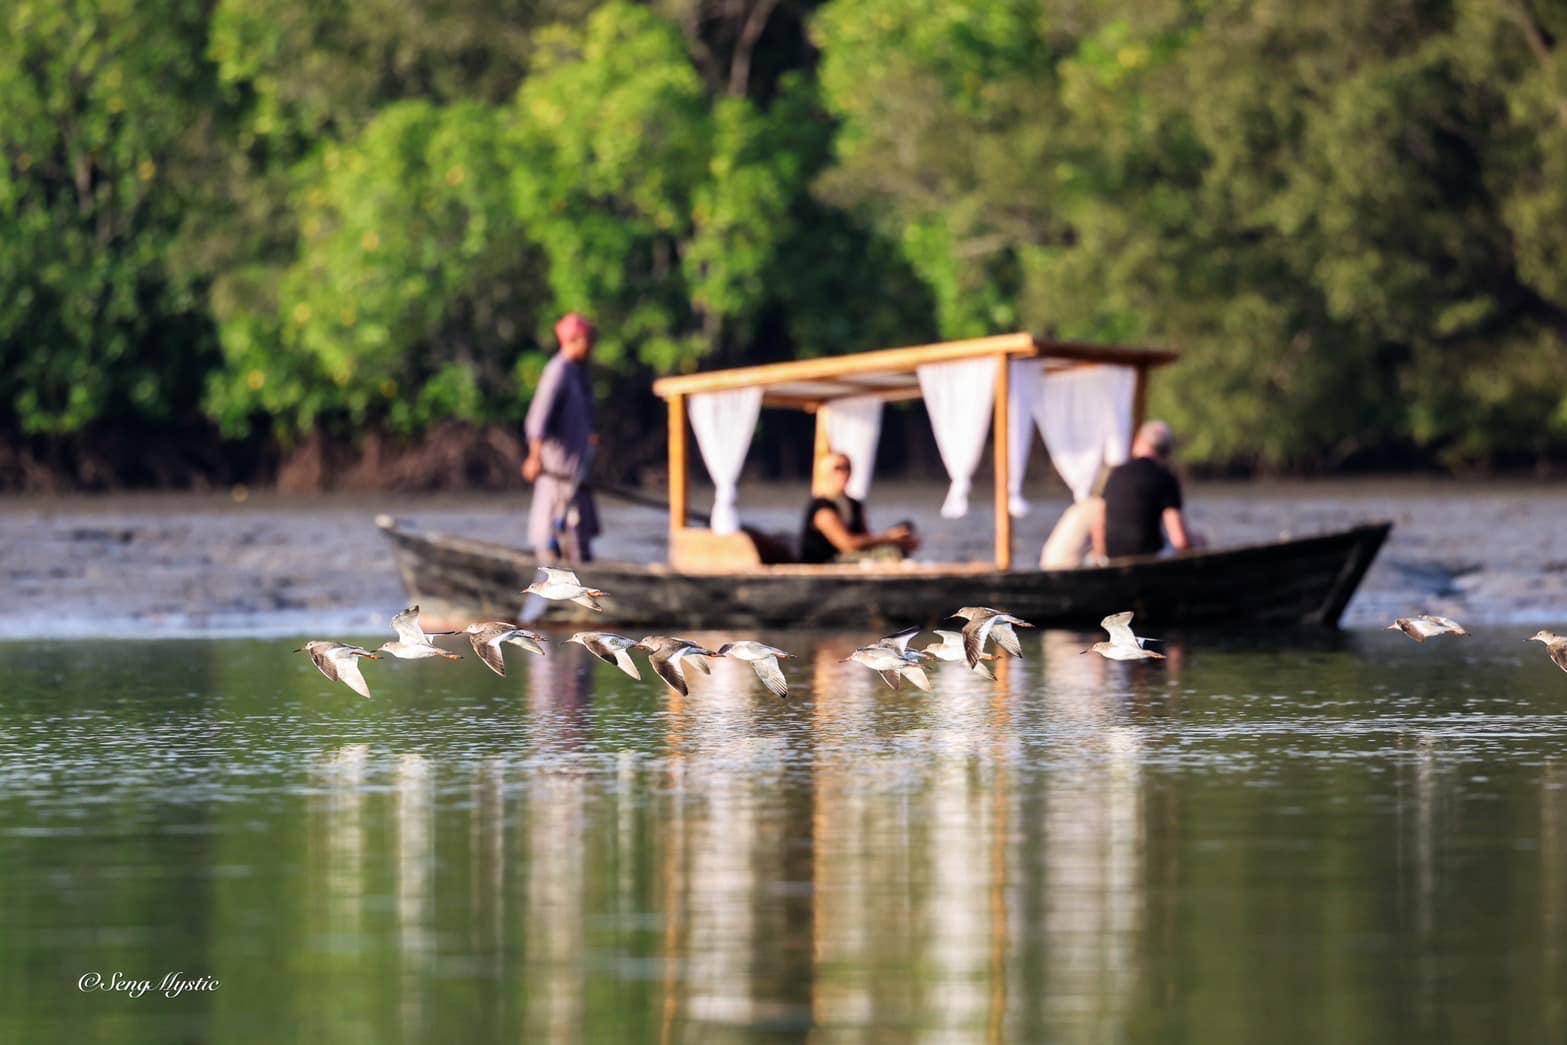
point(197, 459)
point(190, 564)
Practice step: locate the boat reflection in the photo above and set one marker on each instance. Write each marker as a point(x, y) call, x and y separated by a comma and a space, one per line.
point(1088, 859)
point(966, 863)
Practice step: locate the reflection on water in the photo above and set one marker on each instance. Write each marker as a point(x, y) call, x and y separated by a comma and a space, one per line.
point(1370, 837)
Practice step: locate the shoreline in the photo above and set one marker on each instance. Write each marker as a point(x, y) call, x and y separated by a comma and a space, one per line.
point(178, 564)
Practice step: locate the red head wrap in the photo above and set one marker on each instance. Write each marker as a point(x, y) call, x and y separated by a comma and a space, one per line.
point(572, 325)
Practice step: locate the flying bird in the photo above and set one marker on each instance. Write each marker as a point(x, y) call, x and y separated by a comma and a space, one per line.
point(893, 661)
point(668, 656)
point(488, 636)
point(899, 640)
point(1123, 645)
point(950, 649)
point(763, 660)
point(412, 641)
point(985, 623)
point(610, 648)
point(562, 584)
point(1555, 645)
point(339, 662)
point(1426, 626)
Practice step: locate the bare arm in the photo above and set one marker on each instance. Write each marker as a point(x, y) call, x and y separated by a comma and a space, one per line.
point(1175, 527)
point(537, 425)
point(832, 527)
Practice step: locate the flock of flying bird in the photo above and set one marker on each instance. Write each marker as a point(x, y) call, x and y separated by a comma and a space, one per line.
point(668, 655)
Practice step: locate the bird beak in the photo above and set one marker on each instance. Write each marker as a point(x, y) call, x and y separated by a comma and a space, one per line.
point(1083, 651)
point(302, 649)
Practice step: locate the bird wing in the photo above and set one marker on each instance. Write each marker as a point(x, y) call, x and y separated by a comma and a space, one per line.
point(984, 669)
point(624, 662)
point(1446, 624)
point(600, 649)
point(699, 653)
point(889, 677)
point(484, 631)
point(916, 674)
point(668, 669)
point(975, 632)
point(899, 640)
point(489, 651)
point(772, 677)
point(621, 658)
point(531, 641)
point(348, 673)
point(324, 661)
point(406, 624)
point(586, 599)
point(1119, 625)
point(559, 575)
point(1005, 637)
point(1559, 654)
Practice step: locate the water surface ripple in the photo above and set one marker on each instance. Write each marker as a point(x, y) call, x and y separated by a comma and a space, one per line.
point(1345, 838)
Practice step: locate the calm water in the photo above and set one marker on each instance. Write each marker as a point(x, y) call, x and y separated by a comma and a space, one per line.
point(1354, 839)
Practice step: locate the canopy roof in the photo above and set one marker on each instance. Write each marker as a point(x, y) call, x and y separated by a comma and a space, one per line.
point(806, 384)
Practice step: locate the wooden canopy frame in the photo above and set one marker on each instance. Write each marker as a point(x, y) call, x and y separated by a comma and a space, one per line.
point(891, 374)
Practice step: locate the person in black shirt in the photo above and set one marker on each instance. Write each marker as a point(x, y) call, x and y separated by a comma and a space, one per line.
point(1141, 497)
point(834, 527)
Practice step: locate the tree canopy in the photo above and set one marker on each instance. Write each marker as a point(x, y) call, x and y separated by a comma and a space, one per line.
point(323, 216)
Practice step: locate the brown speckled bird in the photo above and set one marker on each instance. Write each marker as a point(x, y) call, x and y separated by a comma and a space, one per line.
point(1555, 645)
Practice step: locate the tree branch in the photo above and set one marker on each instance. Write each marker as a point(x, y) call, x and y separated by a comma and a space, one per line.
point(745, 46)
point(1542, 45)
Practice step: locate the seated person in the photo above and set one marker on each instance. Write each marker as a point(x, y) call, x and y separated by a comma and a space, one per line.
point(1071, 543)
point(834, 529)
point(1140, 496)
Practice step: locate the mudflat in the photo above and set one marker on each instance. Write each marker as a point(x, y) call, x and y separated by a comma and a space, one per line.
point(210, 564)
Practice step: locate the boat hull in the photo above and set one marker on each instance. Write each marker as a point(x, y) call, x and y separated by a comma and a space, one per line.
point(1302, 581)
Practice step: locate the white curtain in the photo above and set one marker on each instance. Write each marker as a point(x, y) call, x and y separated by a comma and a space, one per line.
point(1085, 415)
point(958, 397)
point(854, 428)
point(724, 423)
point(1023, 382)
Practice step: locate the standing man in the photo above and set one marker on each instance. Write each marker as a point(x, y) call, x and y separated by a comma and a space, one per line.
point(1142, 498)
point(560, 435)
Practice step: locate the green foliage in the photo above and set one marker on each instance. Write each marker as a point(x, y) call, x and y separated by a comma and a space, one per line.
point(409, 282)
point(1352, 218)
point(330, 107)
point(612, 134)
point(98, 98)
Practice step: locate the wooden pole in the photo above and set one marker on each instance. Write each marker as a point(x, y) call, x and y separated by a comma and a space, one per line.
point(823, 443)
point(677, 466)
point(1140, 400)
point(1003, 457)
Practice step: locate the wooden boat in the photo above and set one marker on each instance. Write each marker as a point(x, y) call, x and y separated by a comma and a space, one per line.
point(729, 580)
point(1301, 581)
